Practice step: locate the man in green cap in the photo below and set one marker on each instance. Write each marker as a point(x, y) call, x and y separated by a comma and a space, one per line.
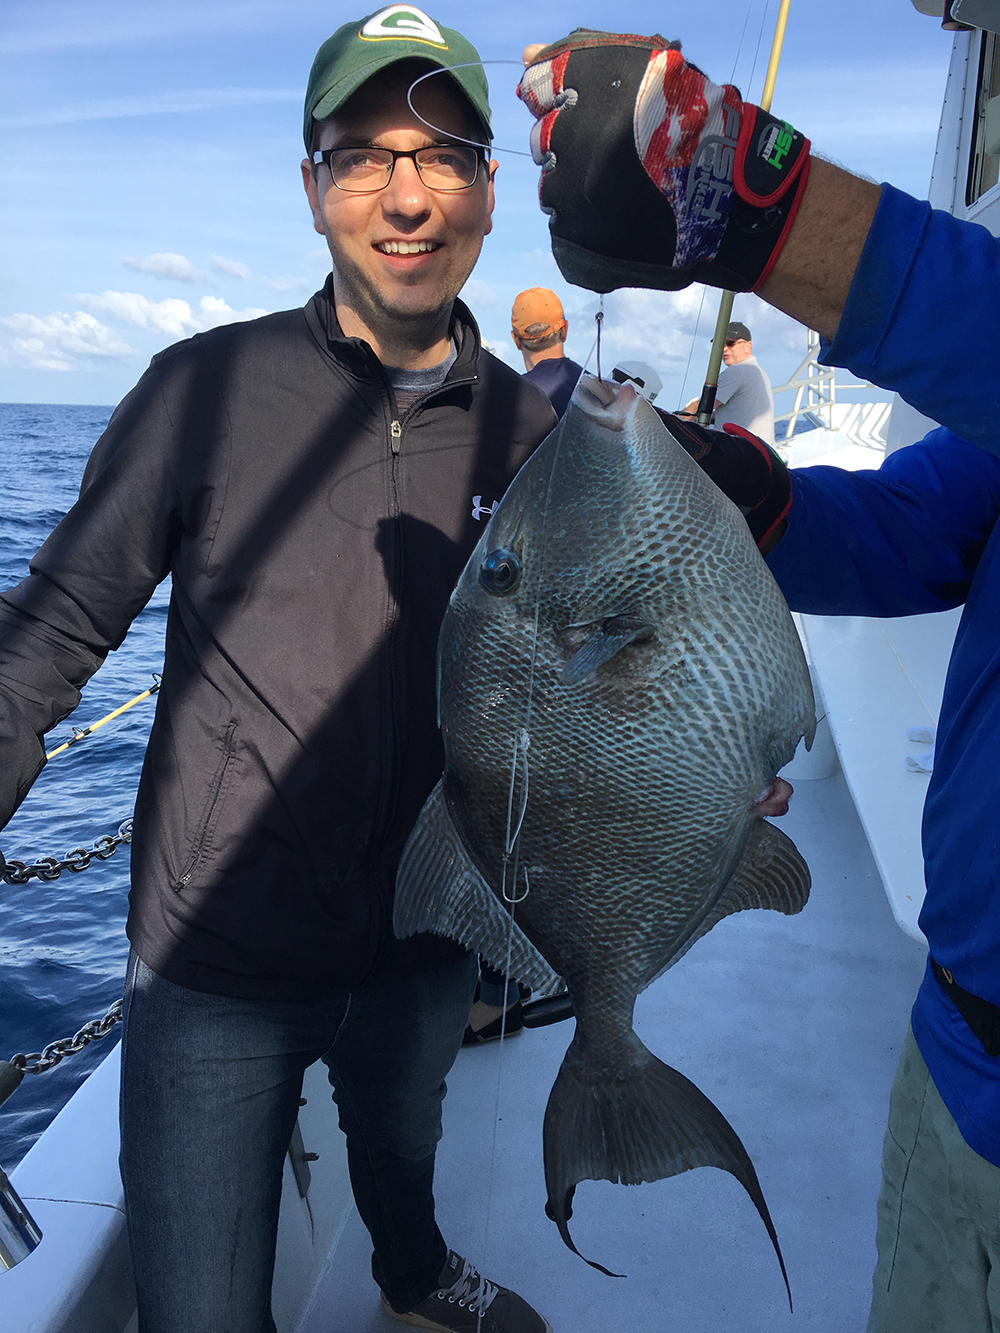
point(314, 482)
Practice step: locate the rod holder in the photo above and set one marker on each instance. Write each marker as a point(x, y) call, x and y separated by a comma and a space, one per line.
point(19, 1232)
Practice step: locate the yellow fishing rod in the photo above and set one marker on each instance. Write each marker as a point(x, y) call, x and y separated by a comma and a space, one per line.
point(706, 404)
point(80, 735)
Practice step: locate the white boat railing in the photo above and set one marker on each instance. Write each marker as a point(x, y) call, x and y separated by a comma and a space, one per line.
point(862, 424)
point(815, 391)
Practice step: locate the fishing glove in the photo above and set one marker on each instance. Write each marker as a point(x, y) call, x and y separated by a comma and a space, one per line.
point(744, 468)
point(651, 175)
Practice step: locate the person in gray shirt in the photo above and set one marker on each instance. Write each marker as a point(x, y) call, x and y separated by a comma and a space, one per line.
point(744, 393)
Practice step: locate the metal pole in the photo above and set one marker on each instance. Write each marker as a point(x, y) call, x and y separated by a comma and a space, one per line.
point(706, 403)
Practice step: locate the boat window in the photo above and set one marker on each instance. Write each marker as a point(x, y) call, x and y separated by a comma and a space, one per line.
point(984, 166)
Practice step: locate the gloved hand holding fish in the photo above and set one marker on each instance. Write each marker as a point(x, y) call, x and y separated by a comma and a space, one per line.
point(745, 469)
point(619, 683)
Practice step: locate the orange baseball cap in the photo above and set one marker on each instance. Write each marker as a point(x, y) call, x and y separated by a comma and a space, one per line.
point(536, 313)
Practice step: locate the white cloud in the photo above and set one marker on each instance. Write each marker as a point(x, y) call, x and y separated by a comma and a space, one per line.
point(65, 25)
point(174, 317)
point(505, 352)
point(481, 295)
point(530, 258)
point(289, 284)
point(152, 104)
point(59, 341)
point(230, 266)
point(234, 269)
point(166, 265)
point(669, 330)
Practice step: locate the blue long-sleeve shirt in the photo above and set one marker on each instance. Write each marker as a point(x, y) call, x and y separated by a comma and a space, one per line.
point(918, 535)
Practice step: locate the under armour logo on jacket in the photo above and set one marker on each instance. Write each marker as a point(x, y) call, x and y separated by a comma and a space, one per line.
point(479, 510)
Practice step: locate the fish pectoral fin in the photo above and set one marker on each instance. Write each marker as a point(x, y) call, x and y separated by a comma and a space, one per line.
point(771, 873)
point(639, 1121)
point(608, 638)
point(440, 889)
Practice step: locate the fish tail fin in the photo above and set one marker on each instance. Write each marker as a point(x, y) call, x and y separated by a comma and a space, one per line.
point(639, 1121)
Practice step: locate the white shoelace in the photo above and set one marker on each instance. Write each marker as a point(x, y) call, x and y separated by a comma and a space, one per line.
point(464, 1290)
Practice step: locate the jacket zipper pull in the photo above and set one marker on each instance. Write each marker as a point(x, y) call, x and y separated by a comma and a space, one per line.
point(396, 431)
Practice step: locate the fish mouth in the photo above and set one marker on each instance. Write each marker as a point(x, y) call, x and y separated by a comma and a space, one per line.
point(606, 403)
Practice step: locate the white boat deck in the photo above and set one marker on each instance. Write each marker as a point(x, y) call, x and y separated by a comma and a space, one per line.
point(792, 1026)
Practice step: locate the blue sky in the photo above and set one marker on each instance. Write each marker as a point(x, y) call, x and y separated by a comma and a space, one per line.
point(150, 169)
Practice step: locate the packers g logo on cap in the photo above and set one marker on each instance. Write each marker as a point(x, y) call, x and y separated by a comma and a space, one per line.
point(403, 21)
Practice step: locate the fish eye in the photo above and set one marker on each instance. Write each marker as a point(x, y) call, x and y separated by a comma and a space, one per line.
point(500, 572)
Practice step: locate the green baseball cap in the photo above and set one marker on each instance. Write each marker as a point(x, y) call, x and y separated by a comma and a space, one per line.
point(395, 32)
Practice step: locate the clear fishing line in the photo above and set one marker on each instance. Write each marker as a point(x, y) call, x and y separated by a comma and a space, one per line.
point(599, 317)
point(760, 38)
point(447, 134)
point(520, 750)
point(694, 339)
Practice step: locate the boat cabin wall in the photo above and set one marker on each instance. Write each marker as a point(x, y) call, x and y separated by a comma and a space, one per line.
point(965, 178)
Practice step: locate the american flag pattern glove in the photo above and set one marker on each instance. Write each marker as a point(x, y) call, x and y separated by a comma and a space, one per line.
point(652, 175)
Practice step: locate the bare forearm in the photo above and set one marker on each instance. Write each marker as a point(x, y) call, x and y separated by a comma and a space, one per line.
point(813, 274)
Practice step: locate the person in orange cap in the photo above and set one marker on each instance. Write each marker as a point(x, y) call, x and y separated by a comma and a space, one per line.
point(538, 328)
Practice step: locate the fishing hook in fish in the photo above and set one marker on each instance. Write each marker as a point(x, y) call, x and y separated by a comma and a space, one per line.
point(527, 886)
point(519, 765)
point(521, 742)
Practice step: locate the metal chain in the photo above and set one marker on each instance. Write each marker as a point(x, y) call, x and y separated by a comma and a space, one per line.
point(39, 1061)
point(50, 867)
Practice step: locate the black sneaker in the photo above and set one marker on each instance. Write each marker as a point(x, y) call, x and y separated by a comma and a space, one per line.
point(504, 1025)
point(466, 1303)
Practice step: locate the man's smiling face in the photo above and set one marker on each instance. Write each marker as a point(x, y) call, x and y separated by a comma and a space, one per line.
point(401, 254)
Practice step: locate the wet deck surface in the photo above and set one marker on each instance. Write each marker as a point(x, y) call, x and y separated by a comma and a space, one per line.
point(792, 1026)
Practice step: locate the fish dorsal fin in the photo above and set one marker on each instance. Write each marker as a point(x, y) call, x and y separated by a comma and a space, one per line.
point(608, 638)
point(440, 889)
point(771, 873)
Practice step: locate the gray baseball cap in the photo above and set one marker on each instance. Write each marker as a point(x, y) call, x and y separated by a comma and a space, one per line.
point(360, 49)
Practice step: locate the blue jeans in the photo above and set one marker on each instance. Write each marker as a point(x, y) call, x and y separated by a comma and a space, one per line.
point(210, 1092)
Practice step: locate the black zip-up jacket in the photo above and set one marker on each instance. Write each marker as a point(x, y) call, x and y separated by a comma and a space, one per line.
point(313, 535)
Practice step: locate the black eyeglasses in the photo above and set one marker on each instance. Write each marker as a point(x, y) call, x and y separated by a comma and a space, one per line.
point(443, 166)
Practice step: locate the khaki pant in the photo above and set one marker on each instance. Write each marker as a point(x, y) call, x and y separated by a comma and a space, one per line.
point(938, 1265)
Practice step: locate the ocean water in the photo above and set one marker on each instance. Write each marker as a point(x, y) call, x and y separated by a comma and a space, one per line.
point(62, 942)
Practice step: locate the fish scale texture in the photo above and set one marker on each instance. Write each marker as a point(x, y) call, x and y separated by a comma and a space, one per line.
point(637, 772)
point(641, 777)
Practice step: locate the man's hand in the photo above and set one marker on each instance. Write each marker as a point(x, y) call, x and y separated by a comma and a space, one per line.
point(652, 175)
point(745, 469)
